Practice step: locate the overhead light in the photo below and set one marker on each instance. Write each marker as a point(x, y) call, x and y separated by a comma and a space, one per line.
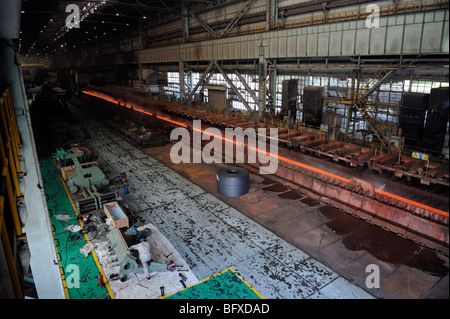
point(117, 14)
point(144, 17)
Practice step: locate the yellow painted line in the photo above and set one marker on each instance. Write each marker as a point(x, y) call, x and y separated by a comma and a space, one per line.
point(245, 282)
point(66, 292)
point(218, 274)
point(88, 241)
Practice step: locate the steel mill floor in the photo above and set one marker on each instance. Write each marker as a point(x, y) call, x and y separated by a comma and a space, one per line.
point(283, 243)
point(344, 243)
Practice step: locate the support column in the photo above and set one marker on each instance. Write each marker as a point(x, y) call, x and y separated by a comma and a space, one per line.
point(272, 87)
point(181, 75)
point(358, 81)
point(262, 82)
point(141, 73)
point(271, 14)
point(185, 19)
point(350, 106)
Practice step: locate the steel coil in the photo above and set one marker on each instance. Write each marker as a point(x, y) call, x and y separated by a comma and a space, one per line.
point(232, 181)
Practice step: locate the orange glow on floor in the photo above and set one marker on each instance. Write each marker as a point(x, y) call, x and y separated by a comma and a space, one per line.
point(280, 158)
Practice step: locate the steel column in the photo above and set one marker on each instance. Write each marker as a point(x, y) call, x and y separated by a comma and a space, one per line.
point(181, 75)
point(271, 14)
point(185, 19)
point(262, 82)
point(273, 86)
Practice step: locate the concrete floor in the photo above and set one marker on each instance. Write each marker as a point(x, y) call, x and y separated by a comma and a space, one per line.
point(283, 243)
point(344, 243)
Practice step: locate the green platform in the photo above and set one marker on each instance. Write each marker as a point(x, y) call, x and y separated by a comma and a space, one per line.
point(224, 285)
point(68, 244)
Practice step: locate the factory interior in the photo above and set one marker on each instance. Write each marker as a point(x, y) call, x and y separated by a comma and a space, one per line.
point(243, 150)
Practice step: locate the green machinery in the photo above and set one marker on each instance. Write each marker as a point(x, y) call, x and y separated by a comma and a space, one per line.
point(93, 200)
point(84, 176)
point(127, 262)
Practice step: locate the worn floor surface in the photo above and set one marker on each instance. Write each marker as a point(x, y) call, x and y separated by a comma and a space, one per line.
point(344, 243)
point(281, 242)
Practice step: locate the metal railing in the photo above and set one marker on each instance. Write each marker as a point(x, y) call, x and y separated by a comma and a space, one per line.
point(10, 191)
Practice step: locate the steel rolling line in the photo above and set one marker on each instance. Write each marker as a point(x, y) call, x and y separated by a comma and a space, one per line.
point(434, 233)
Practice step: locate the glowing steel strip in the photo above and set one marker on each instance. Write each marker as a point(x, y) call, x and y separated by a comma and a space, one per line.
point(284, 159)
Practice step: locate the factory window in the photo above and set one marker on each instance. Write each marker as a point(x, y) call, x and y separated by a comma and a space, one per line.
point(173, 84)
point(397, 86)
point(421, 86)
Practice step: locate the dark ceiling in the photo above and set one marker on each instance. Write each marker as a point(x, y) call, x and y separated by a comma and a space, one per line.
point(43, 22)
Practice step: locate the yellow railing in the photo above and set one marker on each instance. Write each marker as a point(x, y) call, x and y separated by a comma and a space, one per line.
point(10, 191)
point(359, 99)
point(10, 154)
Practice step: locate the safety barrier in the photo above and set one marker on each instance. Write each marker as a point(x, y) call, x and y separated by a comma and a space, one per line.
point(9, 186)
